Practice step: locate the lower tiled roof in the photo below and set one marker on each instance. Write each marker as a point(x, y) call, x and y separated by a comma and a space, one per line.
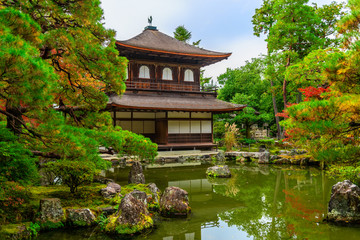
point(168, 102)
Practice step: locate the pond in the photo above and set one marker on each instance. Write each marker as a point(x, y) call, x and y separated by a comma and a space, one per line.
point(258, 202)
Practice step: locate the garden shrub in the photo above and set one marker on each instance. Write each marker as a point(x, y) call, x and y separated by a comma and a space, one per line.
point(346, 173)
point(16, 162)
point(231, 132)
point(248, 141)
point(13, 196)
point(73, 173)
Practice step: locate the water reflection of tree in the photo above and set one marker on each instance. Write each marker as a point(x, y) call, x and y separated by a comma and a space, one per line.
point(286, 203)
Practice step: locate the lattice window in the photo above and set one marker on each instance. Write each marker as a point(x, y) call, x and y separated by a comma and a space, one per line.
point(189, 75)
point(167, 74)
point(144, 72)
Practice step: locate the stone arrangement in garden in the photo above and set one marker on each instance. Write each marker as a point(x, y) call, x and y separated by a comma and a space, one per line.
point(344, 204)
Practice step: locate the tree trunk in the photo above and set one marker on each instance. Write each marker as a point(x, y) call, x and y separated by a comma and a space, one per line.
point(277, 120)
point(14, 118)
point(284, 93)
point(247, 131)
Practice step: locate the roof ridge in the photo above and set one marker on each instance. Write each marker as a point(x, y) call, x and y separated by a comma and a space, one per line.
point(151, 39)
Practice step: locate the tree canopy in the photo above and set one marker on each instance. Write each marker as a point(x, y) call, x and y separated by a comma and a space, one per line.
point(327, 122)
point(57, 64)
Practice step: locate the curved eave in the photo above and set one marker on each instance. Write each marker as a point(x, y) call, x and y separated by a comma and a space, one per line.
point(221, 56)
point(222, 110)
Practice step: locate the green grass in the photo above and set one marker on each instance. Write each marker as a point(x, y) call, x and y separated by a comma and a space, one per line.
point(86, 196)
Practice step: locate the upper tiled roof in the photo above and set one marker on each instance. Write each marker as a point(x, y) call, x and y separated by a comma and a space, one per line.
point(154, 40)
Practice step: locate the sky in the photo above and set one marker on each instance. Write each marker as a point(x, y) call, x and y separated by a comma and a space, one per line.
point(222, 25)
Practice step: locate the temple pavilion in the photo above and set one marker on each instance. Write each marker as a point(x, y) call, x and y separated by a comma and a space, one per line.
point(163, 98)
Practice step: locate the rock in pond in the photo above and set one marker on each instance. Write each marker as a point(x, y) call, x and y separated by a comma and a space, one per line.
point(344, 204)
point(174, 202)
point(141, 196)
point(136, 174)
point(155, 191)
point(264, 157)
point(51, 210)
point(80, 217)
point(220, 157)
point(111, 190)
point(131, 217)
point(221, 171)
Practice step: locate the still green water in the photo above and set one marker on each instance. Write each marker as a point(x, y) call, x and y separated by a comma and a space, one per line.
point(258, 202)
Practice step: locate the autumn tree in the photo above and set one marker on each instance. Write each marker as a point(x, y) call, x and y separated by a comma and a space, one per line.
point(328, 121)
point(57, 63)
point(292, 29)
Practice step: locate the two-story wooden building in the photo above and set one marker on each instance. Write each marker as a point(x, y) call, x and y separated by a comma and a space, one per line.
point(163, 99)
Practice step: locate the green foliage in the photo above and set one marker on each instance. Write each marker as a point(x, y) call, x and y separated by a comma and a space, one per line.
point(182, 34)
point(87, 196)
point(72, 173)
point(269, 141)
point(248, 141)
point(219, 131)
point(16, 162)
point(139, 145)
point(327, 122)
point(244, 85)
point(293, 30)
point(34, 229)
point(57, 67)
point(13, 198)
point(345, 173)
point(50, 225)
point(102, 221)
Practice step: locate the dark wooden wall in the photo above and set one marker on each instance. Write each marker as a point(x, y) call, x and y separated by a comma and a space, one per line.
point(156, 70)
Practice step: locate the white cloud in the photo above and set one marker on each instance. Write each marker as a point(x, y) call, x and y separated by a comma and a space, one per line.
point(243, 48)
point(129, 18)
point(223, 25)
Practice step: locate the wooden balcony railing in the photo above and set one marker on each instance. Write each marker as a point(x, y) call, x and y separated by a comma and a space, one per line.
point(151, 86)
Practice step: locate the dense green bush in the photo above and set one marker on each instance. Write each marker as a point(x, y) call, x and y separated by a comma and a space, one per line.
point(16, 162)
point(351, 173)
point(12, 199)
point(247, 141)
point(73, 173)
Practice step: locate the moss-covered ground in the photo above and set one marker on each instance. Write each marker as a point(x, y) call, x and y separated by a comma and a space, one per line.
point(86, 197)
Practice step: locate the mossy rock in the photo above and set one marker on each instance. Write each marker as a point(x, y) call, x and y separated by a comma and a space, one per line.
point(132, 217)
point(220, 171)
point(15, 231)
point(174, 203)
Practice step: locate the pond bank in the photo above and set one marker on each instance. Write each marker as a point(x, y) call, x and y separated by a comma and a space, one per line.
point(257, 202)
point(196, 157)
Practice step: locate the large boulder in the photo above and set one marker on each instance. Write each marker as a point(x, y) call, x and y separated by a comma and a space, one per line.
point(136, 174)
point(140, 195)
point(221, 171)
point(80, 217)
point(220, 157)
point(50, 210)
point(111, 190)
point(155, 191)
point(344, 205)
point(264, 157)
point(174, 202)
point(131, 217)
